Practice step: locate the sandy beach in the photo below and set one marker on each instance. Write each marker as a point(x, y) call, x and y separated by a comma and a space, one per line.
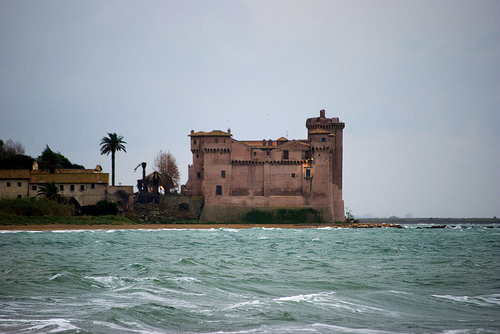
point(61, 227)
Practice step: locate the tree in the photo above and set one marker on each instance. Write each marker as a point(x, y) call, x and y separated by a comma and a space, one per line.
point(111, 144)
point(10, 148)
point(12, 156)
point(52, 161)
point(166, 165)
point(49, 191)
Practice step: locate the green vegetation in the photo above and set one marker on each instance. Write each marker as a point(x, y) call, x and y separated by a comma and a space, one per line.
point(49, 191)
point(30, 207)
point(283, 216)
point(12, 157)
point(74, 220)
point(21, 211)
point(111, 144)
point(52, 161)
point(102, 208)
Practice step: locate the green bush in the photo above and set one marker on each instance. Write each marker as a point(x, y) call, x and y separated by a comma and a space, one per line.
point(102, 208)
point(34, 207)
point(283, 216)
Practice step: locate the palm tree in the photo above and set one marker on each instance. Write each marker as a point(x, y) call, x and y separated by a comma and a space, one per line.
point(112, 143)
point(49, 191)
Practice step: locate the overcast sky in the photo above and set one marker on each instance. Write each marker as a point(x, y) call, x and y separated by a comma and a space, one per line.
point(417, 84)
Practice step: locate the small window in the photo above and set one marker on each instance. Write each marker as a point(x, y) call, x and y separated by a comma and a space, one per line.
point(323, 139)
point(8, 184)
point(92, 185)
point(293, 175)
point(197, 155)
point(19, 196)
point(61, 187)
point(33, 187)
point(82, 187)
point(285, 155)
point(194, 141)
point(72, 187)
point(254, 154)
point(218, 190)
point(19, 184)
point(198, 175)
point(308, 173)
point(223, 174)
point(216, 140)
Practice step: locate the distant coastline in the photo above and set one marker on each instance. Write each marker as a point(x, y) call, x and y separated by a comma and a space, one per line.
point(431, 220)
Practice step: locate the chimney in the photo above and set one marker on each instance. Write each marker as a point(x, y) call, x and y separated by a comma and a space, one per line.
point(322, 113)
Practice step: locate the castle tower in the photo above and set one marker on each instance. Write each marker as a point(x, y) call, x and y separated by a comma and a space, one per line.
point(326, 136)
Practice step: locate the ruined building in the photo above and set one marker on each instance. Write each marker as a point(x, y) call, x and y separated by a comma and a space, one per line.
point(236, 176)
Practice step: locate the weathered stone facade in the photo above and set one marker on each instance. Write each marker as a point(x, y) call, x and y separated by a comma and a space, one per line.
point(278, 173)
point(85, 186)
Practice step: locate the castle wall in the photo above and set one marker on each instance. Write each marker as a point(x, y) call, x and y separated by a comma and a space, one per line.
point(267, 173)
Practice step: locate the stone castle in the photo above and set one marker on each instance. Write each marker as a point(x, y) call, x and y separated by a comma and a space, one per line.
point(236, 176)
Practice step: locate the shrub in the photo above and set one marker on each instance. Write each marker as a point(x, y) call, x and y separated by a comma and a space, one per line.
point(34, 207)
point(102, 208)
point(283, 216)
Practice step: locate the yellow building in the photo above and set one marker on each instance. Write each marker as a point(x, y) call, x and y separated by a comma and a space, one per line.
point(86, 186)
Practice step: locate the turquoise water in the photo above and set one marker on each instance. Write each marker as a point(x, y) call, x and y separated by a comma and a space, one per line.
point(411, 280)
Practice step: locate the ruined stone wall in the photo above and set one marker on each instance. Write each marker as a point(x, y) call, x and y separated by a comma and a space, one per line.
point(170, 209)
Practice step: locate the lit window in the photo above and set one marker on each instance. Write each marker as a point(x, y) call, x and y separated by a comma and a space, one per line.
point(308, 173)
point(218, 190)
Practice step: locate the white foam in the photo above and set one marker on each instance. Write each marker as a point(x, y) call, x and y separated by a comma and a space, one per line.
point(485, 300)
point(243, 304)
point(19, 231)
point(340, 329)
point(61, 325)
point(55, 276)
point(185, 279)
point(328, 300)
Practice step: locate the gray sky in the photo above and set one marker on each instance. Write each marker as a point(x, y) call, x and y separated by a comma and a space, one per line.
point(416, 82)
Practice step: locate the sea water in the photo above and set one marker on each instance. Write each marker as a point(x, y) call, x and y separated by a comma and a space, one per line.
point(259, 280)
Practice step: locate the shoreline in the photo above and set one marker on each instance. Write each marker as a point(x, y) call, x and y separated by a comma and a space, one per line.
point(63, 227)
